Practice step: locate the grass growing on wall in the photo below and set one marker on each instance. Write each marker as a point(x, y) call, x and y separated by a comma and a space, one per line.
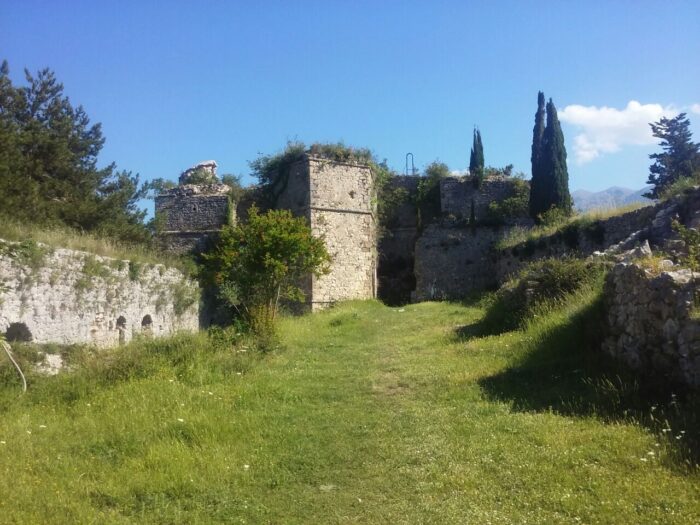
point(521, 235)
point(369, 414)
point(62, 237)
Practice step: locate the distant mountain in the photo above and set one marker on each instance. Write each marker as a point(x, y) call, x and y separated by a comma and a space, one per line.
point(613, 197)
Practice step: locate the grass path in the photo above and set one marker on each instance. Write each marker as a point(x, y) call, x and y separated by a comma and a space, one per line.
point(370, 415)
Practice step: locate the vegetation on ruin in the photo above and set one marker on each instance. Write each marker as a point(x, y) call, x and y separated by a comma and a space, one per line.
point(260, 264)
point(541, 284)
point(427, 199)
point(272, 172)
point(363, 404)
point(510, 208)
point(53, 237)
point(557, 223)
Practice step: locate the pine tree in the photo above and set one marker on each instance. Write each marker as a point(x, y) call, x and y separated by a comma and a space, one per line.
point(48, 163)
point(550, 179)
point(537, 186)
point(680, 158)
point(476, 159)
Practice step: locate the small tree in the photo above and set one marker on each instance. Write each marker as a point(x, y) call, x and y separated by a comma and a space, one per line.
point(262, 262)
point(476, 159)
point(680, 158)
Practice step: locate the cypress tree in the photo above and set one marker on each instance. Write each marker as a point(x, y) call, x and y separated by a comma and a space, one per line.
point(553, 164)
point(537, 186)
point(476, 159)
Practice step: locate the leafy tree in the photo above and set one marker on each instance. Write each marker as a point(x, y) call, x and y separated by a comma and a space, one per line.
point(537, 187)
point(48, 163)
point(262, 262)
point(680, 158)
point(476, 159)
point(550, 184)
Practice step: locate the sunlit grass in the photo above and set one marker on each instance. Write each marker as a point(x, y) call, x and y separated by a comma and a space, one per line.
point(368, 414)
point(519, 234)
point(64, 237)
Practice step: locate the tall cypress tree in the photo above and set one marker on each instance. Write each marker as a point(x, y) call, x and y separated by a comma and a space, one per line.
point(476, 159)
point(537, 184)
point(553, 163)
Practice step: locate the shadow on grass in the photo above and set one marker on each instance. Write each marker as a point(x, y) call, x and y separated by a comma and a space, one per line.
point(563, 370)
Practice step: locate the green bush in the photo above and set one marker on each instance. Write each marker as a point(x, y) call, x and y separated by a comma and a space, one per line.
point(512, 207)
point(541, 282)
point(257, 264)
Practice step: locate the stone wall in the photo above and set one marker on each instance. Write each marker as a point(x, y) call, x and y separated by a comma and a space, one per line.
point(453, 260)
point(65, 296)
point(652, 325)
point(336, 198)
point(458, 193)
point(191, 215)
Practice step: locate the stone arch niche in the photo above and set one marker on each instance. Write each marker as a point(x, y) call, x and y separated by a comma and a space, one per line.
point(147, 324)
point(121, 328)
point(18, 332)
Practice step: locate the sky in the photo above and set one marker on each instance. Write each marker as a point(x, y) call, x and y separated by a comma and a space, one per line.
point(174, 82)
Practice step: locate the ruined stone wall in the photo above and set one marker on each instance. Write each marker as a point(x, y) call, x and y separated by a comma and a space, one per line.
point(336, 198)
point(453, 261)
point(191, 215)
point(652, 223)
point(651, 323)
point(65, 296)
point(458, 193)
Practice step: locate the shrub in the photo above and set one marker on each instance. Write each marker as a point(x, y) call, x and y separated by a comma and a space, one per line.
point(544, 281)
point(691, 240)
point(262, 262)
point(511, 207)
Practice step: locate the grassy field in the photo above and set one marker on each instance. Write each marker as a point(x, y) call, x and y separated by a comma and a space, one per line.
point(367, 414)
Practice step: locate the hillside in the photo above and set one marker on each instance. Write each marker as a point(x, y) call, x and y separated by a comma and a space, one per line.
point(613, 197)
point(368, 414)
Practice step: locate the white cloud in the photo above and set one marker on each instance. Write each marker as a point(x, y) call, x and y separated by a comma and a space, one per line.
point(695, 108)
point(606, 130)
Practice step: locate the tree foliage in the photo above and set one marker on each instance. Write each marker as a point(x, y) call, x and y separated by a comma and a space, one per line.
point(549, 187)
point(263, 261)
point(680, 157)
point(48, 163)
point(428, 193)
point(476, 159)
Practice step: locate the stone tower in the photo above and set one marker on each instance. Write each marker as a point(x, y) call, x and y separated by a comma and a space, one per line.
point(336, 198)
point(193, 213)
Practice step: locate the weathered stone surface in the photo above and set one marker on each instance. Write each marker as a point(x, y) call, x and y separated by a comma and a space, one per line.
point(205, 169)
point(191, 215)
point(650, 323)
point(336, 198)
point(453, 261)
point(457, 194)
point(77, 297)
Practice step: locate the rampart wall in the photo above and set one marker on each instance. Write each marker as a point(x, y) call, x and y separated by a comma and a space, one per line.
point(66, 297)
point(651, 323)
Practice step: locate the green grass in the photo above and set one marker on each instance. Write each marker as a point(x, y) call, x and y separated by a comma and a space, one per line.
point(519, 235)
point(64, 237)
point(368, 414)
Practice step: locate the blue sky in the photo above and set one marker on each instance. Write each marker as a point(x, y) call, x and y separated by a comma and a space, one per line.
point(174, 83)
